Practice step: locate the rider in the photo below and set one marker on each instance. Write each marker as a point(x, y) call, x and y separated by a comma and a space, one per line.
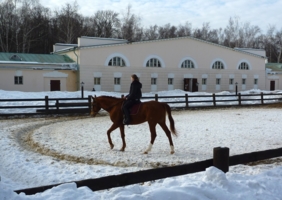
point(133, 97)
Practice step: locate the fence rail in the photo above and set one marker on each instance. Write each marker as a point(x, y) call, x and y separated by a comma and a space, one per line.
point(83, 105)
point(220, 160)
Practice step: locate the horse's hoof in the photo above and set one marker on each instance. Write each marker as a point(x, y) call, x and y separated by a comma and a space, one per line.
point(145, 152)
point(112, 146)
point(172, 152)
point(122, 149)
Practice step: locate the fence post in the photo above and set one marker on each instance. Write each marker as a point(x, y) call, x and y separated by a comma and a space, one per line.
point(46, 104)
point(156, 97)
point(221, 158)
point(57, 104)
point(186, 100)
point(261, 97)
point(89, 102)
point(213, 98)
point(239, 99)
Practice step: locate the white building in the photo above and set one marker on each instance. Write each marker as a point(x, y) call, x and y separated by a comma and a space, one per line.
point(178, 63)
point(37, 72)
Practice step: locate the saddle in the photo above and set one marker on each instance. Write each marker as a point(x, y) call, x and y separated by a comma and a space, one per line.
point(135, 108)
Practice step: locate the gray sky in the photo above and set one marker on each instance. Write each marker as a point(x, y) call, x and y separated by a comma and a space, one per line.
point(262, 13)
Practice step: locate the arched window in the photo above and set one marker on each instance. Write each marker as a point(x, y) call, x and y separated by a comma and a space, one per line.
point(116, 61)
point(187, 64)
point(217, 65)
point(244, 66)
point(153, 62)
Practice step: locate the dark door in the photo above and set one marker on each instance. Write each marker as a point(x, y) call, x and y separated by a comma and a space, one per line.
point(55, 85)
point(272, 85)
point(195, 85)
point(186, 84)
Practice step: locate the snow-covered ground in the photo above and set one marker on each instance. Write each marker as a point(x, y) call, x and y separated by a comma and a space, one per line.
point(43, 151)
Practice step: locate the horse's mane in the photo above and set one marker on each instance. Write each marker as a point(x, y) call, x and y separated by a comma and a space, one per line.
point(109, 97)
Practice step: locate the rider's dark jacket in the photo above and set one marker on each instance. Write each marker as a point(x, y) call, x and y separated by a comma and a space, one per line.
point(135, 91)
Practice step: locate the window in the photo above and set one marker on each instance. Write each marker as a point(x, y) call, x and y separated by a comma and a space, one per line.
point(204, 81)
point(255, 81)
point(244, 66)
point(16, 58)
point(97, 81)
point(218, 65)
point(231, 81)
point(153, 62)
point(170, 81)
point(243, 81)
point(187, 64)
point(117, 81)
point(18, 80)
point(218, 81)
point(117, 61)
point(153, 81)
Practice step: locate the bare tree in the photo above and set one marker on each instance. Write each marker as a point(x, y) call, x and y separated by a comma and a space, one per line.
point(205, 33)
point(269, 43)
point(184, 30)
point(278, 42)
point(247, 35)
point(70, 23)
point(232, 33)
point(29, 21)
point(130, 26)
point(167, 31)
point(104, 24)
point(8, 19)
point(221, 36)
point(151, 33)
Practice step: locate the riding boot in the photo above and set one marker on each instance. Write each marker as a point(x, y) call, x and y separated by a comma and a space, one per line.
point(126, 120)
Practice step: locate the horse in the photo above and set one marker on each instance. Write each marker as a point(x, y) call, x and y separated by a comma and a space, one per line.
point(152, 111)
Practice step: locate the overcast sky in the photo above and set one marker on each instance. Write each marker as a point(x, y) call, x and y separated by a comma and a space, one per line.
point(262, 13)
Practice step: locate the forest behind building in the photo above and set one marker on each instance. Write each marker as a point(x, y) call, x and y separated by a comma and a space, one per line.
point(26, 26)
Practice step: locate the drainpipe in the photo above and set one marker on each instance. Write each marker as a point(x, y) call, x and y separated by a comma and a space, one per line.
point(78, 69)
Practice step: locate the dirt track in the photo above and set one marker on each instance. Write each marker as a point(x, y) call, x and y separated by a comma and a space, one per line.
point(76, 139)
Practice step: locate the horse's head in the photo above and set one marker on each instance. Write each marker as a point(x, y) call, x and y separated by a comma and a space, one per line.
point(95, 107)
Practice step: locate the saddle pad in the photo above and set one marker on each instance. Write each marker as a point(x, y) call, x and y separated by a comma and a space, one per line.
point(135, 108)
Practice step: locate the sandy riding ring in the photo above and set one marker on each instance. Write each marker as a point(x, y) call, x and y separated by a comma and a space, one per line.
point(85, 140)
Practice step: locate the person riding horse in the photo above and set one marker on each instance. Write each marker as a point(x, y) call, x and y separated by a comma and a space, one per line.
point(132, 98)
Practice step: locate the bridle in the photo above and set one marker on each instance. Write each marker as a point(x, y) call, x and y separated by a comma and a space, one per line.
point(92, 106)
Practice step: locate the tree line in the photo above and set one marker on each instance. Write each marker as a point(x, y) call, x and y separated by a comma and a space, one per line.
point(26, 26)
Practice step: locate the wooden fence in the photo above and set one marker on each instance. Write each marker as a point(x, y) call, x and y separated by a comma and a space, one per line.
point(83, 105)
point(220, 160)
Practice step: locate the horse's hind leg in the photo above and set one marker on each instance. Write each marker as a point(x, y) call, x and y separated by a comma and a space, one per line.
point(122, 137)
point(153, 136)
point(168, 134)
point(113, 127)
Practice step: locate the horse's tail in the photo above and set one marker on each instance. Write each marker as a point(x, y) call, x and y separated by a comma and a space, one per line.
point(171, 120)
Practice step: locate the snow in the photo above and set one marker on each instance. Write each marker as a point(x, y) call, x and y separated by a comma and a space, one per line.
point(44, 151)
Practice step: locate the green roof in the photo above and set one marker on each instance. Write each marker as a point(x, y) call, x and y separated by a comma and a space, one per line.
point(274, 66)
point(40, 58)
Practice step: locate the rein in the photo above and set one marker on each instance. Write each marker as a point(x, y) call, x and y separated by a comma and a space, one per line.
point(111, 106)
point(106, 109)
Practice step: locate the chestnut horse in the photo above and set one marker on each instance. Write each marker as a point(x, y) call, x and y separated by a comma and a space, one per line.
point(152, 111)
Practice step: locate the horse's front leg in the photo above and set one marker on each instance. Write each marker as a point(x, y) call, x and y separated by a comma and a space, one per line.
point(122, 137)
point(113, 127)
point(152, 126)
